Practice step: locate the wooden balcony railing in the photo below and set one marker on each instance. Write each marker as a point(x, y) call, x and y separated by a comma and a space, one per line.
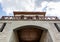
point(29, 18)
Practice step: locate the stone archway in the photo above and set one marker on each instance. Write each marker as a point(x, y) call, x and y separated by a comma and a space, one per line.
point(31, 33)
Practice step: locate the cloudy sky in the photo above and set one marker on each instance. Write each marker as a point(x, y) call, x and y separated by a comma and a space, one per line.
point(51, 7)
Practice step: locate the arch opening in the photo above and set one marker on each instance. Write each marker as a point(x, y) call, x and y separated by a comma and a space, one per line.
point(31, 33)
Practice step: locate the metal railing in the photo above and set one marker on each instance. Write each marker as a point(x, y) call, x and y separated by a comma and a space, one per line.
point(29, 18)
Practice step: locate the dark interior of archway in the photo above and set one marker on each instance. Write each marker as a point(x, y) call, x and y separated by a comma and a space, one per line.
point(29, 34)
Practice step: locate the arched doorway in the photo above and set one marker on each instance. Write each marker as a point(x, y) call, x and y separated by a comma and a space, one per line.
point(29, 33)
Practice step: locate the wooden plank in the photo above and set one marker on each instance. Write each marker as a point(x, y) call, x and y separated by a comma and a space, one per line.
point(30, 13)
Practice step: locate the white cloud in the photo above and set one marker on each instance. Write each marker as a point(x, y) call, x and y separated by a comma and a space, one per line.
point(42, 6)
point(17, 5)
point(8, 10)
point(0, 1)
point(52, 8)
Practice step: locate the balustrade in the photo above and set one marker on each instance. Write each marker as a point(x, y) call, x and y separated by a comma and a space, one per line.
point(29, 18)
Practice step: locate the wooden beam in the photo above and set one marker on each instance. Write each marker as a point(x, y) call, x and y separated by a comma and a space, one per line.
point(29, 13)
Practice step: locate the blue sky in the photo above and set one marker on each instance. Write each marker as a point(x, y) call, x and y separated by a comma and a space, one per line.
point(1, 11)
point(51, 7)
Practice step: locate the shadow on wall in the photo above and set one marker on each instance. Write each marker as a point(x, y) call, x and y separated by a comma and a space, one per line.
point(30, 33)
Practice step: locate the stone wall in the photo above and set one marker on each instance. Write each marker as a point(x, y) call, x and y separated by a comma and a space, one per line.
point(7, 34)
point(46, 37)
